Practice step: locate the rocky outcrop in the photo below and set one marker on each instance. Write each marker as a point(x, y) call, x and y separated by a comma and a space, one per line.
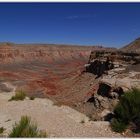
point(111, 87)
point(126, 81)
point(112, 83)
point(103, 104)
point(98, 67)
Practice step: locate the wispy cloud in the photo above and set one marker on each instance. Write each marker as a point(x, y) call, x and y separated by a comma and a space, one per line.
point(80, 16)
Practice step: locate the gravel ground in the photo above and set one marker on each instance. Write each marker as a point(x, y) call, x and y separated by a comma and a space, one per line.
point(57, 121)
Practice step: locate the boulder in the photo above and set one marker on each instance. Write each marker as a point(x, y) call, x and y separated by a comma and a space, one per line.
point(114, 95)
point(104, 114)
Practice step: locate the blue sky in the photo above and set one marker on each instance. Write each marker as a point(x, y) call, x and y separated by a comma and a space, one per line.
point(107, 24)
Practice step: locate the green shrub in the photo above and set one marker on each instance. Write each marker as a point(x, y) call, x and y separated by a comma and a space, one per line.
point(20, 95)
point(2, 129)
point(32, 98)
point(127, 112)
point(118, 126)
point(25, 128)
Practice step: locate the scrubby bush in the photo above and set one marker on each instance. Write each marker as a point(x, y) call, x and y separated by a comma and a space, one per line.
point(20, 95)
point(25, 128)
point(127, 112)
point(2, 129)
point(118, 126)
point(32, 98)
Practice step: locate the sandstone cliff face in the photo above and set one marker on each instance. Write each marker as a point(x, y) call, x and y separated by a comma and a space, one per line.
point(49, 53)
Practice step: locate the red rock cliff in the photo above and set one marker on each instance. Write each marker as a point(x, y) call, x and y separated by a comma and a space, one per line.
point(11, 53)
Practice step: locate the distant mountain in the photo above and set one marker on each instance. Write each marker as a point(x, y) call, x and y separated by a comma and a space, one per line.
point(133, 46)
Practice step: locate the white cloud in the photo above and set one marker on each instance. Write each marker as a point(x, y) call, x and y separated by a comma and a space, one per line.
point(80, 16)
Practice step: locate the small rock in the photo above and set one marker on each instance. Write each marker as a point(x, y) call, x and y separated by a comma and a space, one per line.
point(104, 113)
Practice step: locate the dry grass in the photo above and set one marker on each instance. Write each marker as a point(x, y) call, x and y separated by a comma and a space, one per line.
point(27, 129)
point(20, 95)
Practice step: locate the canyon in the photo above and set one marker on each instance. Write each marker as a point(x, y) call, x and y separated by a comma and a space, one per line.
point(53, 74)
point(43, 70)
point(57, 74)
